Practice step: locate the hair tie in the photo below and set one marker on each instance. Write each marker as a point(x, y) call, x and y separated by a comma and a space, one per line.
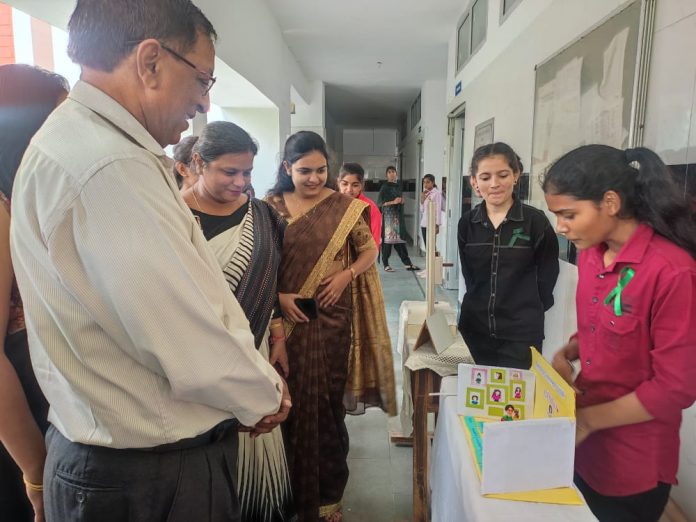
point(631, 158)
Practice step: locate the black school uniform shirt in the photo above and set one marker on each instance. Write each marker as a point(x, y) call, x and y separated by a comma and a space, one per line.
point(510, 272)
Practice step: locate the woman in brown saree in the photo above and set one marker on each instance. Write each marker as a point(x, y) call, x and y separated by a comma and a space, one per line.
point(339, 361)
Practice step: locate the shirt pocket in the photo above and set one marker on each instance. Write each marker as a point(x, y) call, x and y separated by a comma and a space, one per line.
point(618, 334)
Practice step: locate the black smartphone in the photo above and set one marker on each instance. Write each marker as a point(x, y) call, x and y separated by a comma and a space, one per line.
point(308, 306)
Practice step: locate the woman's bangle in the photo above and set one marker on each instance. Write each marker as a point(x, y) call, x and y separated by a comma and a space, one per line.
point(275, 339)
point(32, 486)
point(352, 273)
point(276, 325)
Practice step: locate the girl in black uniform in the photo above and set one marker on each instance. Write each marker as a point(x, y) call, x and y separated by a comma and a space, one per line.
point(509, 256)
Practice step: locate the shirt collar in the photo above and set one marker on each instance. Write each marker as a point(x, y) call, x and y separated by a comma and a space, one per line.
point(514, 214)
point(633, 250)
point(101, 103)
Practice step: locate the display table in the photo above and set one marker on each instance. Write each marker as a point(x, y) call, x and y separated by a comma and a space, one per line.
point(422, 370)
point(455, 484)
point(411, 319)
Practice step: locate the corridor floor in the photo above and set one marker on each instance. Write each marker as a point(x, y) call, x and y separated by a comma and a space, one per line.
point(380, 488)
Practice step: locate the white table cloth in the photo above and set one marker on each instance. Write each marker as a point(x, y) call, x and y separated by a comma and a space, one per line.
point(455, 485)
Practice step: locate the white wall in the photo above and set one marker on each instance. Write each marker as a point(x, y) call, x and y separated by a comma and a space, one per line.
point(309, 115)
point(431, 131)
point(252, 44)
point(498, 82)
point(671, 131)
point(262, 125)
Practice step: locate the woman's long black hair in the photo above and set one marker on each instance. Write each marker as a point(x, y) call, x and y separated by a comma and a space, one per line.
point(648, 192)
point(296, 147)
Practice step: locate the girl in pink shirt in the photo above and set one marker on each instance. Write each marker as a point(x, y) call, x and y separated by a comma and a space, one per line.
point(636, 311)
point(351, 180)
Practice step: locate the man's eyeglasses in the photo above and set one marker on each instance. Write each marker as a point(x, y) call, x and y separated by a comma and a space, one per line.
point(209, 78)
point(206, 83)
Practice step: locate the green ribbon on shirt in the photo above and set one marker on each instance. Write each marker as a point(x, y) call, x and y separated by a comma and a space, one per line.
point(517, 234)
point(625, 277)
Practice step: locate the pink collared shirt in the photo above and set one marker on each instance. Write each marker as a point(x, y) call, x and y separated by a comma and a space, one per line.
point(375, 218)
point(436, 196)
point(650, 349)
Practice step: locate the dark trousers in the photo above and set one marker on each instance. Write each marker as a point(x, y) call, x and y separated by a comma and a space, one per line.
point(400, 250)
point(643, 507)
point(488, 351)
point(14, 504)
point(181, 482)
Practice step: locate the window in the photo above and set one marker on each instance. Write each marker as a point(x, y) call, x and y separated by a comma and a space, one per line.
point(506, 7)
point(416, 111)
point(464, 42)
point(471, 32)
point(479, 15)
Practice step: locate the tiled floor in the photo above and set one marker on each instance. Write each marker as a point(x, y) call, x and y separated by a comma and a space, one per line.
point(380, 487)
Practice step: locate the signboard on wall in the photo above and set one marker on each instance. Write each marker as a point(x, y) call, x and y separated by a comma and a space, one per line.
point(483, 135)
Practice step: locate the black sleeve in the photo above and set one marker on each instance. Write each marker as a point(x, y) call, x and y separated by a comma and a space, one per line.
point(462, 238)
point(546, 258)
point(380, 197)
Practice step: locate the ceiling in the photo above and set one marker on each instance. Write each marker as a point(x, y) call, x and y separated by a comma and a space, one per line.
point(231, 90)
point(341, 42)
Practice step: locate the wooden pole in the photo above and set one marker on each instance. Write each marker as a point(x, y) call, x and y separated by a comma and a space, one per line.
point(430, 263)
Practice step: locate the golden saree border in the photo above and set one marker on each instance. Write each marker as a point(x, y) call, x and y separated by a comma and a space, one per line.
point(351, 216)
point(370, 364)
point(328, 510)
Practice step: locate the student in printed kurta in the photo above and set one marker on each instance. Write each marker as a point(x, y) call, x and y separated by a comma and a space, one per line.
point(342, 359)
point(509, 257)
point(636, 338)
point(391, 203)
point(246, 236)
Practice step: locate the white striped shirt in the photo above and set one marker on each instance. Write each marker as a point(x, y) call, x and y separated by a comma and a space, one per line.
point(135, 337)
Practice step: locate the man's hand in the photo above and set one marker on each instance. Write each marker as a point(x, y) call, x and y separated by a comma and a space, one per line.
point(269, 422)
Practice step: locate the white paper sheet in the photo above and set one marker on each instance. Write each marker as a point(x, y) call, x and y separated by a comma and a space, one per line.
point(544, 445)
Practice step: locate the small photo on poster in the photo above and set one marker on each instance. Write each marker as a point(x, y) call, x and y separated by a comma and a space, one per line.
point(497, 394)
point(498, 376)
point(479, 376)
point(475, 398)
point(517, 391)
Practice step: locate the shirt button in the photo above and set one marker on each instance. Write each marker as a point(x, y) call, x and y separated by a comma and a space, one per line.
point(601, 276)
point(80, 497)
point(495, 253)
point(493, 336)
point(595, 299)
point(592, 329)
point(587, 362)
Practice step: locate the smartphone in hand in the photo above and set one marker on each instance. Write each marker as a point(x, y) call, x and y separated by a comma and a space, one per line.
point(308, 306)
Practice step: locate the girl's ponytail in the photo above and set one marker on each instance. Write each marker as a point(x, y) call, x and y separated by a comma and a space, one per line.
point(659, 201)
point(645, 184)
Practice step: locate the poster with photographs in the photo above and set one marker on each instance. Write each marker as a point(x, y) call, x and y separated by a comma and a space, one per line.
point(491, 392)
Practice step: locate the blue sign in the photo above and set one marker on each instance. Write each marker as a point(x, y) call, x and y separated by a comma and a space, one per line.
point(458, 88)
